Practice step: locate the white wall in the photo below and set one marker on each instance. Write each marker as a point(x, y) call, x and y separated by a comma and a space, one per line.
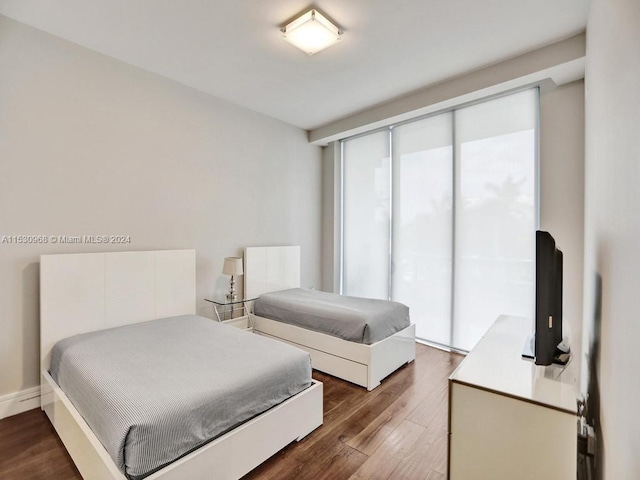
point(90, 145)
point(612, 232)
point(562, 192)
point(330, 218)
point(562, 61)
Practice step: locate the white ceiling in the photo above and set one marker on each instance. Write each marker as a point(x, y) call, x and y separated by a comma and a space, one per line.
point(232, 48)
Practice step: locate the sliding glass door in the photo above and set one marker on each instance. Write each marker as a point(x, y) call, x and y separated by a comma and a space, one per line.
point(495, 214)
point(366, 226)
point(440, 214)
point(422, 223)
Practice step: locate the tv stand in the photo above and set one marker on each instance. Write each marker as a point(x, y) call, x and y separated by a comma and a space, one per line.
point(528, 352)
point(510, 418)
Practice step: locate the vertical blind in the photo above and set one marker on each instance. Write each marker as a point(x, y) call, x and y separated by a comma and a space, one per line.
point(440, 214)
point(366, 204)
point(422, 223)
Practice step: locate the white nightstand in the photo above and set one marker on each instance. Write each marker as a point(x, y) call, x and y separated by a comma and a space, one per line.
point(234, 313)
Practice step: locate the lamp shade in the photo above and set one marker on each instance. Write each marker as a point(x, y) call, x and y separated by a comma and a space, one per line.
point(232, 266)
point(311, 32)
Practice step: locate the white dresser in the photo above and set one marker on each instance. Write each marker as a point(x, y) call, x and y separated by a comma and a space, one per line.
point(508, 418)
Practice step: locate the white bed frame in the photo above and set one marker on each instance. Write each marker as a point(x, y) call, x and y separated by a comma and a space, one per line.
point(87, 292)
point(269, 269)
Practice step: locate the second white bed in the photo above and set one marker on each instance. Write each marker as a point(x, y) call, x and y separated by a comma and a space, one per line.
point(269, 269)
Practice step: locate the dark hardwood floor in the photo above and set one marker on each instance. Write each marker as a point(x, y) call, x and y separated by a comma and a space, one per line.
point(30, 449)
point(397, 431)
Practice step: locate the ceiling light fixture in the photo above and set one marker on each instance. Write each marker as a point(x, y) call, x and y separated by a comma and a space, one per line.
point(311, 32)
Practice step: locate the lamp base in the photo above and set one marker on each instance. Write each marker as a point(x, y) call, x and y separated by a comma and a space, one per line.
point(231, 296)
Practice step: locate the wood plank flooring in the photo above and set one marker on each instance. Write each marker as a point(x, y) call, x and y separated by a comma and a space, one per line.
point(397, 431)
point(30, 449)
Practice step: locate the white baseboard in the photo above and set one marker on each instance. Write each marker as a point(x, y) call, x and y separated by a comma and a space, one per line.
point(18, 402)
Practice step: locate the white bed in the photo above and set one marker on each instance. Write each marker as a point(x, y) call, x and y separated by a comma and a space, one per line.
point(269, 269)
point(82, 293)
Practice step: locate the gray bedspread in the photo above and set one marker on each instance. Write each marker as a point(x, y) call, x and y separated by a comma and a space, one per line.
point(362, 320)
point(154, 391)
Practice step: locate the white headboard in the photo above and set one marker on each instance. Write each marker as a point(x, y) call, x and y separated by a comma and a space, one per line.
point(267, 269)
point(85, 292)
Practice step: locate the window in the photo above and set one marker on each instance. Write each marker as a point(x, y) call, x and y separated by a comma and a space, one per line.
point(440, 214)
point(366, 205)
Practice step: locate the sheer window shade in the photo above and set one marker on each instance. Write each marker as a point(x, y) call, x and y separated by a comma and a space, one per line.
point(440, 214)
point(366, 202)
point(422, 221)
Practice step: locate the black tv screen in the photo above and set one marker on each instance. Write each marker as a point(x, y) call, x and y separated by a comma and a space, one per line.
point(548, 327)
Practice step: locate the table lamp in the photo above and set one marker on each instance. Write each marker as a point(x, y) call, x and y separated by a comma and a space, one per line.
point(232, 266)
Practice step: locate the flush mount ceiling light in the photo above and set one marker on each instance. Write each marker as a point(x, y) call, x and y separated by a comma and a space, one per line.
point(311, 32)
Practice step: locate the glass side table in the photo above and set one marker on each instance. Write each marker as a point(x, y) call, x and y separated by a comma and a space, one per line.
point(232, 312)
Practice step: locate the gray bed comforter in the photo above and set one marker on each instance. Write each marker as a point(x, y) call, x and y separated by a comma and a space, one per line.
point(154, 391)
point(362, 320)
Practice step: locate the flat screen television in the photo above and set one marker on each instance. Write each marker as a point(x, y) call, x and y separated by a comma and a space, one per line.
point(548, 316)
